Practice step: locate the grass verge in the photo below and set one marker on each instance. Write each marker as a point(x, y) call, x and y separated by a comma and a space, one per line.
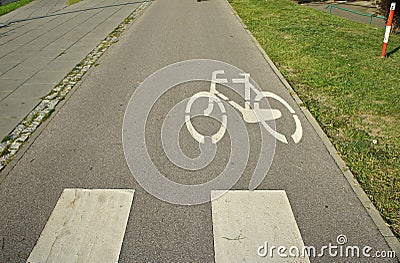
point(334, 65)
point(4, 9)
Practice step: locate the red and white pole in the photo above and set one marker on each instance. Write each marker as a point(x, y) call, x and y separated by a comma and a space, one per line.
point(388, 29)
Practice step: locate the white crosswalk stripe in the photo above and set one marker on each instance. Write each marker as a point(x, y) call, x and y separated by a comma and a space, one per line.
point(247, 224)
point(85, 226)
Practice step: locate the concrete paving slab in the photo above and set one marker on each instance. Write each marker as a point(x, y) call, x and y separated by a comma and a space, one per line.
point(96, 34)
point(7, 124)
point(66, 26)
point(98, 17)
point(57, 6)
point(73, 24)
point(16, 57)
point(29, 91)
point(86, 27)
point(23, 27)
point(47, 54)
point(106, 26)
point(5, 38)
point(58, 32)
point(7, 48)
point(38, 28)
point(76, 34)
point(23, 50)
point(84, 5)
point(47, 77)
point(27, 68)
point(60, 65)
point(16, 107)
point(85, 49)
point(6, 66)
point(19, 72)
point(120, 14)
point(76, 55)
point(37, 45)
point(8, 85)
point(3, 94)
point(99, 36)
point(60, 44)
point(12, 39)
point(84, 43)
point(40, 59)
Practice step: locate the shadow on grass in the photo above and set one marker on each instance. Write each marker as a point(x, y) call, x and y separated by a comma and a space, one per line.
point(393, 51)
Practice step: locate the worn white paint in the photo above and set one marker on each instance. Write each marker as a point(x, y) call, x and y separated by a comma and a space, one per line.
point(244, 220)
point(85, 226)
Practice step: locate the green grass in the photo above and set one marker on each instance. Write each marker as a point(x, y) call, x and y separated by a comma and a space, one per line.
point(12, 6)
point(334, 65)
point(71, 2)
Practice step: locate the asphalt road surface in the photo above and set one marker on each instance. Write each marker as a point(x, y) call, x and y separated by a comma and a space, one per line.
point(81, 147)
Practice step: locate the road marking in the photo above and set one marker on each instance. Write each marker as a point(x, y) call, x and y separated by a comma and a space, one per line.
point(296, 136)
point(195, 134)
point(249, 115)
point(85, 226)
point(245, 220)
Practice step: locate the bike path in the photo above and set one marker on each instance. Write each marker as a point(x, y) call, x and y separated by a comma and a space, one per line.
point(81, 147)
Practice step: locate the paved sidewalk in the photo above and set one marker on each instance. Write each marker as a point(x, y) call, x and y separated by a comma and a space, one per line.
point(43, 42)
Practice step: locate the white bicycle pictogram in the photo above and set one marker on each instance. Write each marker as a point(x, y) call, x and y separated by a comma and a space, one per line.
point(255, 109)
point(249, 114)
